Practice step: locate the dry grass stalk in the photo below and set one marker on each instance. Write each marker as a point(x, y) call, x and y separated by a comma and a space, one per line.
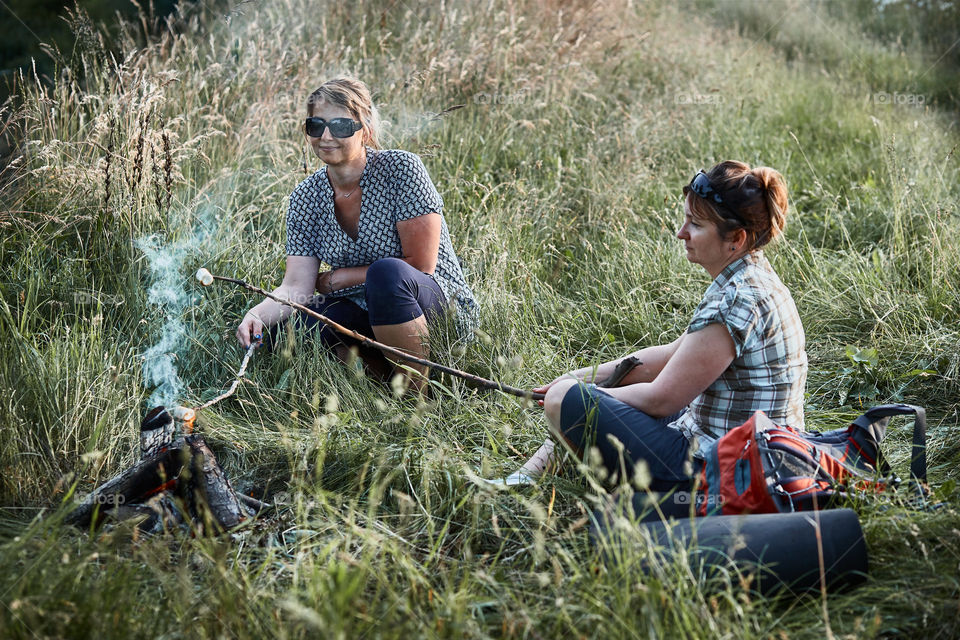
point(137, 173)
point(107, 162)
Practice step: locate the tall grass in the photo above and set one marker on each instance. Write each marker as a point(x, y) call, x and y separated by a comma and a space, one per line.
point(560, 177)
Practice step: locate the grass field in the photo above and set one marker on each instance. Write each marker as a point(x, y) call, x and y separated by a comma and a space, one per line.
point(561, 177)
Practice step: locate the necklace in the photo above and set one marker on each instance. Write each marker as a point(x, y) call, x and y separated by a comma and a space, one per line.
point(347, 195)
point(357, 186)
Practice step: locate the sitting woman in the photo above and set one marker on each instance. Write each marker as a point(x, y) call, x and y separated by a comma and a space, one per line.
point(743, 351)
point(374, 216)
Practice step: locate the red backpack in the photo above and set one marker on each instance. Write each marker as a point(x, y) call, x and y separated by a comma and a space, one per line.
point(760, 467)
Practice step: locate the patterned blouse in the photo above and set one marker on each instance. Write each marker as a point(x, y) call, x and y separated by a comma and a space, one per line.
point(394, 186)
point(769, 370)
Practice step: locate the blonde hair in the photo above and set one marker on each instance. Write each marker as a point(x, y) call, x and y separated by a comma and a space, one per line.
point(754, 200)
point(354, 96)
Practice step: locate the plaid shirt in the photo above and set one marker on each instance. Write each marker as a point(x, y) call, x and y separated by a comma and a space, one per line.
point(769, 371)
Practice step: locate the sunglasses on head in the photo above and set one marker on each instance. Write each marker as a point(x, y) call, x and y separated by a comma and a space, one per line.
point(701, 186)
point(339, 127)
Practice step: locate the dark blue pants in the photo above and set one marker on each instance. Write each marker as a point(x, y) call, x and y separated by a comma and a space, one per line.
point(589, 417)
point(395, 293)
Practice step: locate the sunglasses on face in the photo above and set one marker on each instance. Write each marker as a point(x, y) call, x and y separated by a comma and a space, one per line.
point(339, 127)
point(701, 186)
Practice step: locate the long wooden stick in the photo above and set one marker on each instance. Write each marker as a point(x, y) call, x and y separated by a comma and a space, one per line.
point(477, 380)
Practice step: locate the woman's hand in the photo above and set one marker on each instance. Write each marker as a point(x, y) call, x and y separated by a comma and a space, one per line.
point(250, 329)
point(547, 386)
point(325, 281)
point(298, 285)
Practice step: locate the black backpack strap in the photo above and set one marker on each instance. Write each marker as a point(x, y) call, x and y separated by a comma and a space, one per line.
point(874, 420)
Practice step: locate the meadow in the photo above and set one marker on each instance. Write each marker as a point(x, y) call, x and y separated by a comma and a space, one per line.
point(560, 135)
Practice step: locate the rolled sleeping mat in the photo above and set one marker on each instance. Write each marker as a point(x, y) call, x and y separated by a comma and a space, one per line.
point(781, 550)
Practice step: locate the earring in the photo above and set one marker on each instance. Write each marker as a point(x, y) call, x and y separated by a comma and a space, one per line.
point(304, 152)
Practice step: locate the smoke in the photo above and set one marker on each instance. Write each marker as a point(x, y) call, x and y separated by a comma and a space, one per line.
point(159, 365)
point(405, 124)
point(168, 295)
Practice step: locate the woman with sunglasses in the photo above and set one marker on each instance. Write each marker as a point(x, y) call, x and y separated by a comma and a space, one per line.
point(375, 219)
point(743, 350)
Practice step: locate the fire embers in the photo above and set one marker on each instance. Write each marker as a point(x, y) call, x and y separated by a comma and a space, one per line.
point(185, 417)
point(177, 483)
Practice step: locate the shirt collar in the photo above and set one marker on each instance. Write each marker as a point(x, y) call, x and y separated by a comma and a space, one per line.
point(371, 160)
point(731, 270)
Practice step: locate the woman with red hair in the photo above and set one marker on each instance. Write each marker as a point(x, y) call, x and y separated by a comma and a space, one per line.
point(743, 350)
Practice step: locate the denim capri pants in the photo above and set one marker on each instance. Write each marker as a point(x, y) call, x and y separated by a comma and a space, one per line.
point(589, 417)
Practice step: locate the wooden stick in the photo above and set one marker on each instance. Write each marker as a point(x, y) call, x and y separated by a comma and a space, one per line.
point(482, 382)
point(620, 372)
point(236, 381)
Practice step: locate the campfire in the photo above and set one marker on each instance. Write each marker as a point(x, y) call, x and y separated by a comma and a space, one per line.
point(177, 483)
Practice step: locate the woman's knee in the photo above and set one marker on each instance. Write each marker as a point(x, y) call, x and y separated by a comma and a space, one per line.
point(392, 292)
point(554, 401)
point(386, 274)
point(341, 311)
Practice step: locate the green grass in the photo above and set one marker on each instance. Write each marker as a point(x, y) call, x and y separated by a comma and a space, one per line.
point(561, 179)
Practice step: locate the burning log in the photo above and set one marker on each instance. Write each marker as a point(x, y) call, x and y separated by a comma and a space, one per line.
point(218, 501)
point(176, 481)
point(156, 431)
point(150, 476)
